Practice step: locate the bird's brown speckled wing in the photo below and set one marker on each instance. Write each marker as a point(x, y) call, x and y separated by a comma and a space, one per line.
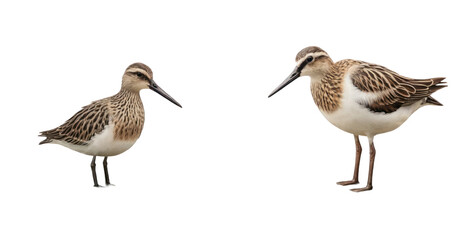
point(393, 89)
point(80, 128)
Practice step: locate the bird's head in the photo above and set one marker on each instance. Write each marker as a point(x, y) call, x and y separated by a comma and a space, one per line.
point(139, 76)
point(311, 61)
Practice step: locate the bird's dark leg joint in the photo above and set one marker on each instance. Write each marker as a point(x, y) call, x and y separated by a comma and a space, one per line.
point(372, 151)
point(93, 169)
point(371, 165)
point(358, 148)
point(358, 153)
point(106, 172)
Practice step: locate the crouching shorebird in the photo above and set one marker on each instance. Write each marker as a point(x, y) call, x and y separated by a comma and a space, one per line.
point(109, 126)
point(361, 98)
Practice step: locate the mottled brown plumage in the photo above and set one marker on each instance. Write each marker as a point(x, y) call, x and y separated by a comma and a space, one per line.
point(80, 128)
point(124, 110)
point(328, 92)
point(128, 116)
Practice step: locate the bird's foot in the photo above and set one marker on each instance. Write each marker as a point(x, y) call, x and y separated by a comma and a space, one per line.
point(98, 186)
point(350, 182)
point(110, 185)
point(366, 188)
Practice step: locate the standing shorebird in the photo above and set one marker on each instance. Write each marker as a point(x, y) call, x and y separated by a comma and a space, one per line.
point(361, 98)
point(109, 126)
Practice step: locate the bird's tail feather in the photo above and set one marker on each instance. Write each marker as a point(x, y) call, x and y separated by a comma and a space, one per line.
point(437, 85)
point(45, 134)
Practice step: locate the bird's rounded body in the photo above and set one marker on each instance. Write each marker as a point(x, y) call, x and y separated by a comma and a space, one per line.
point(101, 144)
point(106, 127)
point(352, 116)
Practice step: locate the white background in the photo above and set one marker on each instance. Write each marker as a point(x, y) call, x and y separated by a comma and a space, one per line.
point(233, 164)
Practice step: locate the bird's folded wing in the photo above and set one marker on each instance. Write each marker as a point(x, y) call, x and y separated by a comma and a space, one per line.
point(82, 126)
point(391, 89)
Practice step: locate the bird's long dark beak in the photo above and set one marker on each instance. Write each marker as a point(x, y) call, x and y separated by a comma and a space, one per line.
point(154, 87)
point(294, 75)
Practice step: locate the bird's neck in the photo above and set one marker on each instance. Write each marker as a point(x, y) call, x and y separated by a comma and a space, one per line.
point(317, 78)
point(324, 68)
point(126, 93)
point(127, 99)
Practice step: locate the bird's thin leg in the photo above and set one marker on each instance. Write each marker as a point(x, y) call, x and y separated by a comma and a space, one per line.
point(371, 168)
point(93, 169)
point(358, 153)
point(106, 172)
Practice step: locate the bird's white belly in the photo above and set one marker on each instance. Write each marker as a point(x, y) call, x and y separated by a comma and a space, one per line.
point(361, 121)
point(101, 144)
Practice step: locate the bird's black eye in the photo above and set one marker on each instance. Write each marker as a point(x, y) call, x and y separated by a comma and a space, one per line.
point(139, 74)
point(309, 59)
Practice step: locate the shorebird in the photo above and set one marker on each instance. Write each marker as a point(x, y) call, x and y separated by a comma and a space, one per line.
point(361, 98)
point(109, 126)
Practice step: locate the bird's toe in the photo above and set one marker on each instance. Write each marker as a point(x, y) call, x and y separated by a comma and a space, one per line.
point(350, 182)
